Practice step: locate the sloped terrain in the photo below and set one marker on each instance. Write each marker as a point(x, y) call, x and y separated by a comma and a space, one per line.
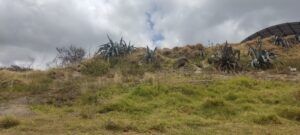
point(182, 94)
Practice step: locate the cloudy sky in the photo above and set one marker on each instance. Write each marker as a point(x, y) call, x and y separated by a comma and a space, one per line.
point(30, 30)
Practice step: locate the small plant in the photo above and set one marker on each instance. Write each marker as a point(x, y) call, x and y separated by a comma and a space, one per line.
point(70, 55)
point(150, 55)
point(9, 122)
point(226, 59)
point(115, 49)
point(261, 59)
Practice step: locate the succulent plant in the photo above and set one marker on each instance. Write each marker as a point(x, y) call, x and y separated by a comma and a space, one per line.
point(115, 49)
point(226, 59)
point(150, 55)
point(261, 59)
point(280, 41)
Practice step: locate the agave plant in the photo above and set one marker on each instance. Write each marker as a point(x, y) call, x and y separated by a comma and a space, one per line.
point(226, 59)
point(280, 41)
point(261, 59)
point(150, 55)
point(115, 49)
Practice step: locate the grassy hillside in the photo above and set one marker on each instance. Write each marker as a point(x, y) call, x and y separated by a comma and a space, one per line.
point(126, 96)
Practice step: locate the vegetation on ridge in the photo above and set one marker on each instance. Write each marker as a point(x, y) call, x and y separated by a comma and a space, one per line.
point(128, 96)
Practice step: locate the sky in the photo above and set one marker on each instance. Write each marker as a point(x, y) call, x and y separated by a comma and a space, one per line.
point(30, 30)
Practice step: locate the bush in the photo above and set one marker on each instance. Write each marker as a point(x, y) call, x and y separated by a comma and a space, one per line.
point(95, 67)
point(69, 55)
point(9, 122)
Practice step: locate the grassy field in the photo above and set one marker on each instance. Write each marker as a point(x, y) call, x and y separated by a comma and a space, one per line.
point(155, 103)
point(127, 97)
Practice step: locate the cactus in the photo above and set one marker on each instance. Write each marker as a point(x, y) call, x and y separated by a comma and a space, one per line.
point(115, 49)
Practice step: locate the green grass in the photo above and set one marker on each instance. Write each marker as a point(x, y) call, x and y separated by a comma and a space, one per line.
point(167, 104)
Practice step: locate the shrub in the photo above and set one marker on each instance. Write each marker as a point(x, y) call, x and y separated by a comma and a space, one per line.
point(9, 122)
point(69, 55)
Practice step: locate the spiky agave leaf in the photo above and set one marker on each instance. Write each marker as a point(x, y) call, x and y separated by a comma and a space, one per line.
point(114, 49)
point(261, 59)
point(150, 55)
point(227, 59)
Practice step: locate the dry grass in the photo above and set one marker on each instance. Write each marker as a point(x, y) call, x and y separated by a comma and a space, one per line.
point(132, 98)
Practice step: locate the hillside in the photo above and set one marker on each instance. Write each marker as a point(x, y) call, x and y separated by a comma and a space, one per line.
point(127, 96)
